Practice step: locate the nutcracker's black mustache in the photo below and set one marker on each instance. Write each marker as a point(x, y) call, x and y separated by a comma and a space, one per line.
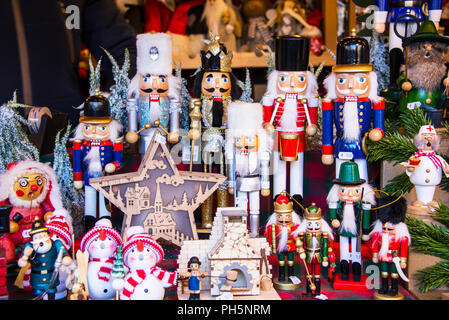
point(213, 90)
point(149, 90)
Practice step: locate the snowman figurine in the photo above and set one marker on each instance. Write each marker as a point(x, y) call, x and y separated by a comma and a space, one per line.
point(425, 167)
point(101, 242)
point(144, 280)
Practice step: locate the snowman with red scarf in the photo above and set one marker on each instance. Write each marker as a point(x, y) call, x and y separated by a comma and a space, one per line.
point(144, 280)
point(101, 242)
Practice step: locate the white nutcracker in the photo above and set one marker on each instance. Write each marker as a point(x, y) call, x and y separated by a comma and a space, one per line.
point(425, 168)
point(144, 280)
point(101, 242)
point(248, 149)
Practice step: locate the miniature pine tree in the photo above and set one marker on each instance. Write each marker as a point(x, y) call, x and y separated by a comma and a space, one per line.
point(118, 270)
point(184, 119)
point(94, 77)
point(379, 59)
point(246, 88)
point(14, 143)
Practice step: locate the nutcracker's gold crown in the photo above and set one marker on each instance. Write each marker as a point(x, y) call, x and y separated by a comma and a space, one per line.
point(215, 57)
point(283, 204)
point(313, 212)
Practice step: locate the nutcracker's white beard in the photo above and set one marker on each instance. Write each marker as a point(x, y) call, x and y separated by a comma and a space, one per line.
point(155, 111)
point(351, 131)
point(93, 161)
point(348, 224)
point(45, 247)
point(384, 246)
point(283, 238)
point(288, 118)
point(314, 243)
point(245, 165)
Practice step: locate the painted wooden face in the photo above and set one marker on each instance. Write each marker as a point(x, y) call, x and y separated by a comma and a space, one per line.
point(389, 227)
point(352, 84)
point(284, 218)
point(247, 144)
point(29, 187)
point(41, 242)
point(194, 266)
point(313, 225)
point(291, 82)
point(350, 193)
point(216, 83)
point(153, 84)
point(96, 131)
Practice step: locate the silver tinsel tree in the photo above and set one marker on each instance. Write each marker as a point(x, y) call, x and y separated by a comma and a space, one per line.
point(379, 59)
point(119, 91)
point(94, 77)
point(247, 89)
point(184, 119)
point(72, 199)
point(14, 143)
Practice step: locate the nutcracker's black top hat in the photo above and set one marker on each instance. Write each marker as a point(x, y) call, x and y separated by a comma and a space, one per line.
point(292, 53)
point(392, 209)
point(38, 226)
point(96, 109)
point(215, 58)
point(353, 55)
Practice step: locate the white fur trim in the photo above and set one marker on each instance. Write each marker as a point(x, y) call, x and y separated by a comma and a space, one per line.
point(163, 64)
point(380, 16)
point(435, 15)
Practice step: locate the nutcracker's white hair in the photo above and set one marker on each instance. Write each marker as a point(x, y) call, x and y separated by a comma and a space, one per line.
point(329, 84)
point(324, 228)
point(420, 142)
point(400, 232)
point(115, 128)
point(368, 194)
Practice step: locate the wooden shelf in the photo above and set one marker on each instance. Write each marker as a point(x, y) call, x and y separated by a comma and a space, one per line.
point(247, 60)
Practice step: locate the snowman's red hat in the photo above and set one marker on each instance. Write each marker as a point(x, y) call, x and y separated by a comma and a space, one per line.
point(58, 225)
point(102, 228)
point(137, 238)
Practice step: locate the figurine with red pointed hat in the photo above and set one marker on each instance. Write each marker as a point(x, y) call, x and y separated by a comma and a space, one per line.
point(280, 232)
point(31, 188)
point(101, 242)
point(144, 281)
point(351, 106)
point(97, 151)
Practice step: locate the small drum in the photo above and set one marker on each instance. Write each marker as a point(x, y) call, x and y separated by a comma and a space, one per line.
point(289, 146)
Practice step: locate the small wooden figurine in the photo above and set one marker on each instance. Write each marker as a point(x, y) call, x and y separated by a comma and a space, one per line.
point(194, 276)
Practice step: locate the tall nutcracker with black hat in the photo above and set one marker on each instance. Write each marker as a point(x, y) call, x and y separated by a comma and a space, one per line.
point(44, 256)
point(97, 150)
point(425, 82)
point(215, 87)
point(351, 105)
point(280, 232)
point(350, 200)
point(404, 18)
point(154, 92)
point(290, 108)
point(390, 242)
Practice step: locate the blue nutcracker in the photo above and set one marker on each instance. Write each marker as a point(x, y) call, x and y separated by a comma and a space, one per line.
point(44, 257)
point(97, 150)
point(405, 17)
point(352, 105)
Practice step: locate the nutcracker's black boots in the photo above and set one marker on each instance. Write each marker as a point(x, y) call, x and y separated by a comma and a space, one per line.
point(396, 57)
point(318, 286)
point(356, 271)
point(290, 272)
point(344, 266)
point(384, 288)
point(309, 294)
point(281, 277)
point(394, 287)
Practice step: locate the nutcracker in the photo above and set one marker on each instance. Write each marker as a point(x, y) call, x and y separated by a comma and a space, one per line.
point(351, 105)
point(290, 108)
point(154, 92)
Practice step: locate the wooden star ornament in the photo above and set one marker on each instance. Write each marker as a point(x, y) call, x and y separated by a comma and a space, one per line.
point(157, 196)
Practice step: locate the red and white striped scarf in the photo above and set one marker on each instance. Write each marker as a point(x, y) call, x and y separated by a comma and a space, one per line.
point(136, 277)
point(105, 270)
point(431, 155)
point(27, 280)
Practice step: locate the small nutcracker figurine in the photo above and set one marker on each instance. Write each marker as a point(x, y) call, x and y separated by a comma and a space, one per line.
point(194, 276)
point(402, 15)
point(144, 281)
point(290, 108)
point(45, 257)
point(154, 93)
point(279, 231)
point(97, 150)
point(32, 189)
point(390, 242)
point(351, 105)
point(248, 148)
point(350, 200)
point(314, 234)
point(425, 168)
point(215, 87)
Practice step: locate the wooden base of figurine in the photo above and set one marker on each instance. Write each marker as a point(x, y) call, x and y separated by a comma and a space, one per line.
point(418, 212)
point(286, 285)
point(205, 295)
point(350, 284)
point(379, 296)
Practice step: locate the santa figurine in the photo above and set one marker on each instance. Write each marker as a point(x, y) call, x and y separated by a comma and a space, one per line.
point(154, 92)
point(31, 188)
point(248, 148)
point(425, 168)
point(350, 200)
point(280, 232)
point(291, 110)
point(144, 281)
point(351, 105)
point(44, 256)
point(101, 242)
point(390, 242)
point(314, 234)
point(97, 151)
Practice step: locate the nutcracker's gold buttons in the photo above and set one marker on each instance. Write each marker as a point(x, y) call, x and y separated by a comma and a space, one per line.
point(361, 113)
point(44, 279)
point(43, 256)
point(361, 120)
point(361, 107)
point(44, 264)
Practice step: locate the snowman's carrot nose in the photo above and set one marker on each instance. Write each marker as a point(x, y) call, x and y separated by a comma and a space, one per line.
point(102, 235)
point(139, 246)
